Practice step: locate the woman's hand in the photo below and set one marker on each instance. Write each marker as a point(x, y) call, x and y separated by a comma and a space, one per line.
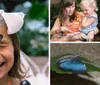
point(66, 30)
point(58, 31)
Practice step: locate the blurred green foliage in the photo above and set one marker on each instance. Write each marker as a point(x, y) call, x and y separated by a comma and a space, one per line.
point(34, 33)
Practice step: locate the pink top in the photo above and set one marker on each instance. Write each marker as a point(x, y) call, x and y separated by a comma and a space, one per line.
point(74, 26)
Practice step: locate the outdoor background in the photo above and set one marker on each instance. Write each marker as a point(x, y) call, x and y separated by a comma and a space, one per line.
point(34, 33)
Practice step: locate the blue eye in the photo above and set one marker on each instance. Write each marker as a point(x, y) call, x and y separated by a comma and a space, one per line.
point(72, 64)
point(1, 36)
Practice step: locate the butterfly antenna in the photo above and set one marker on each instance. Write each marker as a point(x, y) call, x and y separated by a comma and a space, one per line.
point(76, 56)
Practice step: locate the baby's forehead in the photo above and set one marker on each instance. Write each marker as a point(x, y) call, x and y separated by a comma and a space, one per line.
point(84, 5)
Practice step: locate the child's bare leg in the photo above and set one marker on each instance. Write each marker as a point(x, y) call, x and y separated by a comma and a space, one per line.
point(75, 37)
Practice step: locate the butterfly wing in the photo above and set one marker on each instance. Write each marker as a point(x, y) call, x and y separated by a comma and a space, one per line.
point(62, 60)
point(74, 65)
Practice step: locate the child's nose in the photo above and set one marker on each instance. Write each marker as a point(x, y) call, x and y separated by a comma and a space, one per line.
point(84, 12)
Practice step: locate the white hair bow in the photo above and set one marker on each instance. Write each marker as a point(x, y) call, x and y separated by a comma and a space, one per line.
point(13, 20)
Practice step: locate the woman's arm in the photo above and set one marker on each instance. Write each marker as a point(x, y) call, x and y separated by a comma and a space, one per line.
point(56, 26)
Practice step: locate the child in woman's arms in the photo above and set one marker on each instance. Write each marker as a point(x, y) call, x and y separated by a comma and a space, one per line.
point(90, 19)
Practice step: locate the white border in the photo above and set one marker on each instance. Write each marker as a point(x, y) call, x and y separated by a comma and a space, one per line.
point(49, 38)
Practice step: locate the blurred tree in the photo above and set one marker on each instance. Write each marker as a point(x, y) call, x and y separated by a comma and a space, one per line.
point(11, 4)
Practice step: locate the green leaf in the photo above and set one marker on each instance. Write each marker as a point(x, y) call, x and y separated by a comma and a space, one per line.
point(54, 66)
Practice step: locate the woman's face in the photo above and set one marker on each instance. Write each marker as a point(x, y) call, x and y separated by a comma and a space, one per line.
point(70, 9)
point(6, 52)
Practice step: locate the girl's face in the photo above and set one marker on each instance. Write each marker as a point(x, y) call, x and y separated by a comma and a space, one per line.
point(6, 52)
point(70, 9)
point(87, 9)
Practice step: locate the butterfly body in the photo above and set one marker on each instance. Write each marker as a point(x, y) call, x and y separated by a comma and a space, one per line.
point(72, 64)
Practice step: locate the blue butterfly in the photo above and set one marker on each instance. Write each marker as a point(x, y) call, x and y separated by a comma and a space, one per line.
point(72, 64)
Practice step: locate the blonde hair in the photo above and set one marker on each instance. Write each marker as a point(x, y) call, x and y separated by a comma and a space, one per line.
point(92, 3)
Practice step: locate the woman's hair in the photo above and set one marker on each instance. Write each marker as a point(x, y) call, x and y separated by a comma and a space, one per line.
point(92, 3)
point(63, 5)
point(15, 71)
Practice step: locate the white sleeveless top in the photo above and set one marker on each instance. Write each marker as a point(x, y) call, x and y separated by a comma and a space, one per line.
point(27, 64)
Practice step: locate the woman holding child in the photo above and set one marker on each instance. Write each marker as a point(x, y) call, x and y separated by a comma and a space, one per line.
point(67, 25)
